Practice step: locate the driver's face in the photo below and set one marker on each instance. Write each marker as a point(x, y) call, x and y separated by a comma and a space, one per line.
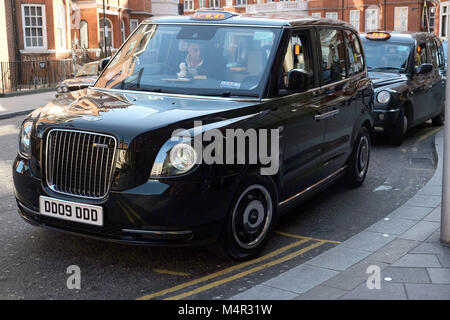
point(194, 52)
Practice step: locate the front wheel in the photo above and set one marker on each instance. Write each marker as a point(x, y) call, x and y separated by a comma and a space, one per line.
point(252, 216)
point(358, 163)
point(400, 129)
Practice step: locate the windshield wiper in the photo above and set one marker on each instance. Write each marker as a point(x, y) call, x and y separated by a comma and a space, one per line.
point(385, 68)
point(228, 94)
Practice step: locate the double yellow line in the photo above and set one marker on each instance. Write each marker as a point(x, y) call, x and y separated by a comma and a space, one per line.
point(318, 242)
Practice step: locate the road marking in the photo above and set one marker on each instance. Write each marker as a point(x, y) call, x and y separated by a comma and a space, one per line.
point(225, 271)
point(247, 272)
point(172, 273)
point(427, 135)
point(290, 235)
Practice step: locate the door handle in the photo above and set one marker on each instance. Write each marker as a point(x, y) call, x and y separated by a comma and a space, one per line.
point(326, 115)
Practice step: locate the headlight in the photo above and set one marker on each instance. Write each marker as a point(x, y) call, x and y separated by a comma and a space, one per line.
point(59, 90)
point(383, 97)
point(174, 158)
point(25, 138)
point(65, 89)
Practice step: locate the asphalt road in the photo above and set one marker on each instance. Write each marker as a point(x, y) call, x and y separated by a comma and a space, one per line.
point(34, 261)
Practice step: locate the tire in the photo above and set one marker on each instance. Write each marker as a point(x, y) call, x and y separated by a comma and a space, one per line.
point(440, 119)
point(396, 136)
point(358, 163)
point(252, 216)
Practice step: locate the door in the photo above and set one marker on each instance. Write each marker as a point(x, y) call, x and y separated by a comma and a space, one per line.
point(436, 80)
point(421, 86)
point(337, 97)
point(302, 134)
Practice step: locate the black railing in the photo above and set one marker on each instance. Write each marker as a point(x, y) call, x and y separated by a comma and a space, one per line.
point(35, 74)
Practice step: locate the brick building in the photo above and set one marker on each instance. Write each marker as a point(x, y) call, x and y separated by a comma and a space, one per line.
point(372, 15)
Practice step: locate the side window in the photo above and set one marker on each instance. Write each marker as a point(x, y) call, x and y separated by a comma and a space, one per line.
point(441, 55)
point(356, 60)
point(421, 54)
point(433, 53)
point(333, 55)
point(299, 56)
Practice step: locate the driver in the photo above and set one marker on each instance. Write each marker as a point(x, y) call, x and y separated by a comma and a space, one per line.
point(193, 65)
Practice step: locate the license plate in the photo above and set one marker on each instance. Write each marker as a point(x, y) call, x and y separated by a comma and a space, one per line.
point(71, 211)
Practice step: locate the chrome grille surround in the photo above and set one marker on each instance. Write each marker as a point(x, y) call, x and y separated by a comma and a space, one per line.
point(75, 167)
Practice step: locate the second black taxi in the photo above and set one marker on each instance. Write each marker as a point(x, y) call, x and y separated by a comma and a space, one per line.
point(407, 70)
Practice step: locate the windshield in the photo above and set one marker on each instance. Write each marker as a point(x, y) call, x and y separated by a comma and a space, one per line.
point(90, 69)
point(193, 59)
point(386, 56)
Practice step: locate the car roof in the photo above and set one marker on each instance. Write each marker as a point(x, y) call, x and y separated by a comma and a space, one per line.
point(406, 36)
point(255, 19)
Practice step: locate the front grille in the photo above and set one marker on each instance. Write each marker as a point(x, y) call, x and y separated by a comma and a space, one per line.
point(80, 163)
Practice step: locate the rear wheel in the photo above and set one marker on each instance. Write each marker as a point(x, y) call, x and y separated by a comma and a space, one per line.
point(440, 119)
point(358, 163)
point(252, 216)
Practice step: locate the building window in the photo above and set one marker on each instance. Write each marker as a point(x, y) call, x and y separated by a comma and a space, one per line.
point(214, 3)
point(201, 3)
point(109, 33)
point(188, 5)
point(334, 66)
point(372, 19)
point(60, 24)
point(354, 19)
point(444, 15)
point(134, 23)
point(241, 2)
point(34, 28)
point(84, 34)
point(229, 3)
point(331, 15)
point(432, 18)
point(401, 19)
point(122, 30)
point(316, 15)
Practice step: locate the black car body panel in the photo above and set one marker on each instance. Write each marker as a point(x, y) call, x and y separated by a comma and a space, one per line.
point(191, 208)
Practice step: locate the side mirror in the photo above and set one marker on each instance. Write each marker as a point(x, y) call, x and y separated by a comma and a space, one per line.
point(424, 68)
point(298, 79)
point(103, 64)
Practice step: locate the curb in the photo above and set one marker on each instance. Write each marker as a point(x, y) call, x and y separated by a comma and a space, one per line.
point(28, 92)
point(337, 271)
point(15, 114)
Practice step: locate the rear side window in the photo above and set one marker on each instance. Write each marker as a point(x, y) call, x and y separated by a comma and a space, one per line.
point(421, 55)
point(333, 55)
point(355, 57)
point(433, 53)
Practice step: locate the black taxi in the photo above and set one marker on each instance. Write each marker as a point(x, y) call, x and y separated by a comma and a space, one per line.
point(139, 157)
point(407, 73)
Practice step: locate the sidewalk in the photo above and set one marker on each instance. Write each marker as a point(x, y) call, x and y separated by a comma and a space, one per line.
point(23, 104)
point(404, 245)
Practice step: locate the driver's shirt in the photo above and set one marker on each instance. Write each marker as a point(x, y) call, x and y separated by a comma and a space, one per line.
point(193, 70)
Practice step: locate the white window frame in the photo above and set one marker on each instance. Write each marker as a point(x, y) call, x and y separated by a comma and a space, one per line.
point(212, 4)
point(60, 24)
point(188, 5)
point(201, 4)
point(108, 30)
point(122, 30)
point(131, 24)
point(399, 18)
point(44, 27)
point(316, 14)
point(368, 27)
point(355, 16)
point(444, 16)
point(241, 3)
point(332, 15)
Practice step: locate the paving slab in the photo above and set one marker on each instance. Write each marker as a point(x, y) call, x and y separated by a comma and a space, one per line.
point(434, 215)
point(424, 201)
point(427, 291)
point(410, 212)
point(261, 292)
point(418, 260)
point(391, 291)
point(339, 258)
point(368, 241)
point(301, 279)
point(406, 275)
point(394, 250)
point(439, 275)
point(421, 231)
point(394, 226)
point(431, 248)
point(444, 260)
point(321, 292)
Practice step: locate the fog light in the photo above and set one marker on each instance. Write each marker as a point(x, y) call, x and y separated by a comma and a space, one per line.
point(381, 116)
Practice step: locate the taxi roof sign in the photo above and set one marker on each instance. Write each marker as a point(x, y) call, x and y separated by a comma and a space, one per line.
point(378, 35)
point(212, 15)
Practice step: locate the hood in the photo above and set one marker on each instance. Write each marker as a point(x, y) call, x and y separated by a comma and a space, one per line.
point(386, 78)
point(127, 115)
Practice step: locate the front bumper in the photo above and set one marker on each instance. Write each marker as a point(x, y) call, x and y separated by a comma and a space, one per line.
point(156, 213)
point(385, 120)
